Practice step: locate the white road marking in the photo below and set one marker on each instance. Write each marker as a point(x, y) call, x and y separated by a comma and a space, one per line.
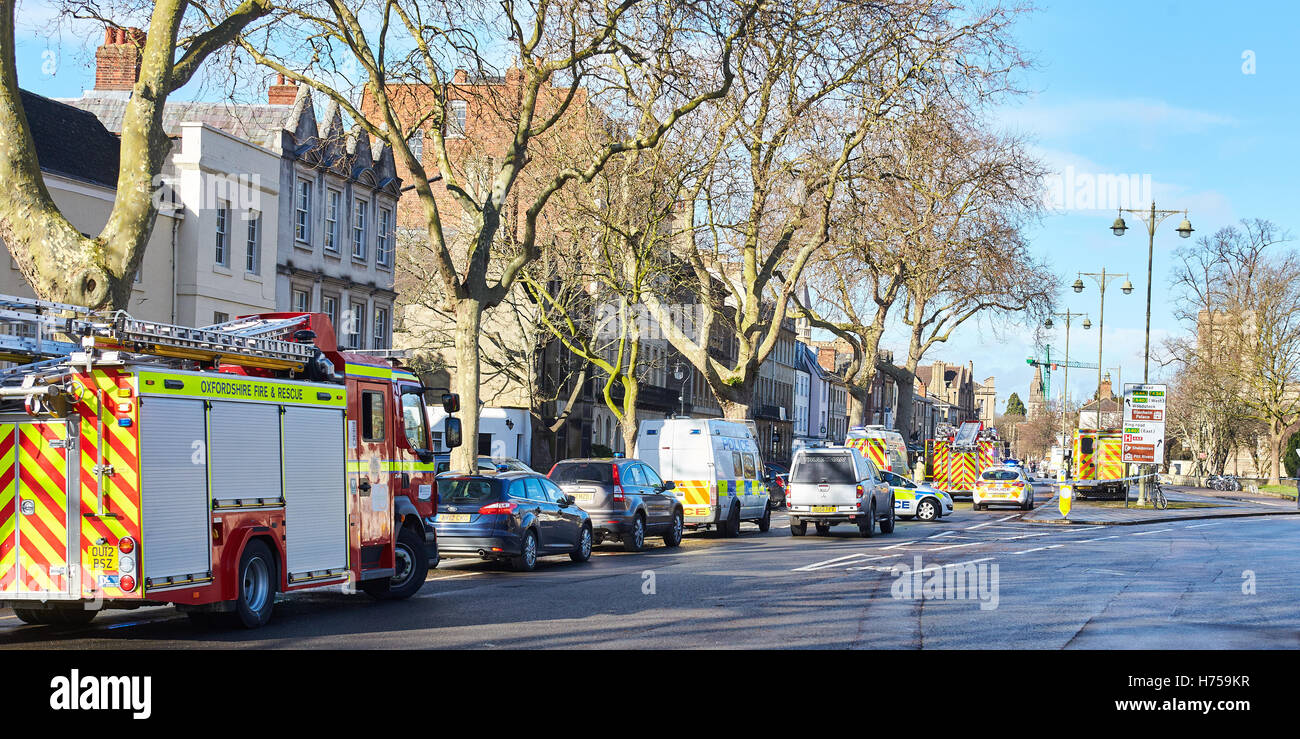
point(900, 544)
point(829, 562)
point(1199, 525)
point(1144, 533)
point(1027, 536)
point(931, 568)
point(936, 536)
point(1100, 538)
point(990, 523)
point(954, 546)
point(1039, 549)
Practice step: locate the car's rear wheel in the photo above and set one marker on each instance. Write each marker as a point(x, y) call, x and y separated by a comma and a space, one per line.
point(887, 523)
point(868, 527)
point(583, 551)
point(731, 527)
point(527, 559)
point(927, 509)
point(673, 537)
point(634, 540)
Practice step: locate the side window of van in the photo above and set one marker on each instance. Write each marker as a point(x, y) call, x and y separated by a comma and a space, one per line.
point(737, 465)
point(750, 468)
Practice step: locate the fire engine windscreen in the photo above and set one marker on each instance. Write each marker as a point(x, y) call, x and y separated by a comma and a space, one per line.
point(829, 468)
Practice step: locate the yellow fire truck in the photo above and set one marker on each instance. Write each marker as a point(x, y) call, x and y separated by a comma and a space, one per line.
point(953, 462)
point(1098, 469)
point(144, 463)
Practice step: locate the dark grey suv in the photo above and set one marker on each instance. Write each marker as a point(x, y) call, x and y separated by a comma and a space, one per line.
point(625, 499)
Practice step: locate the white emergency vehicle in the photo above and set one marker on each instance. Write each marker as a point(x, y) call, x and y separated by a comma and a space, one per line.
point(715, 469)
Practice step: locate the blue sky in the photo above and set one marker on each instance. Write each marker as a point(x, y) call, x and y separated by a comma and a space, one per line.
point(1146, 88)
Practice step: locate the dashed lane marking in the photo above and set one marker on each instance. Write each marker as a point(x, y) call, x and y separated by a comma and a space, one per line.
point(834, 562)
point(990, 523)
point(931, 568)
point(1144, 533)
point(1039, 549)
point(1200, 525)
point(1100, 538)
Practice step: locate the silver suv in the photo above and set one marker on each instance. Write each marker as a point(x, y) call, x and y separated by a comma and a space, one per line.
point(836, 484)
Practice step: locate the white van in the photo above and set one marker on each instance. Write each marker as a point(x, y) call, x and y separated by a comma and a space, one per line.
point(715, 469)
point(884, 447)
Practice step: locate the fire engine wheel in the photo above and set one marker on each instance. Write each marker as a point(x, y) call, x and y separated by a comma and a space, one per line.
point(927, 510)
point(410, 567)
point(257, 578)
point(765, 523)
point(887, 523)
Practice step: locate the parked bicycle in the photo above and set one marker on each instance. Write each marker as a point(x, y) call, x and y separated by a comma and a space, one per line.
point(1158, 500)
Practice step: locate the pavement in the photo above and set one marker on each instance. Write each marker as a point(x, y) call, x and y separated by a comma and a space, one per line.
point(1218, 584)
point(1210, 504)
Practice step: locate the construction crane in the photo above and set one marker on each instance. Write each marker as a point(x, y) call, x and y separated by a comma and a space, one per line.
point(1048, 365)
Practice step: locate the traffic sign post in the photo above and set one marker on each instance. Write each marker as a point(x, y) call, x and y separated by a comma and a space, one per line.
point(1144, 428)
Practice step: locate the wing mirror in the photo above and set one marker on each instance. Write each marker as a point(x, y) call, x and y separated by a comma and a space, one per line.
point(668, 485)
point(452, 432)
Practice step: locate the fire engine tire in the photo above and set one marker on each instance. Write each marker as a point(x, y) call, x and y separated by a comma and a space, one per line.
point(673, 537)
point(583, 552)
point(412, 566)
point(34, 616)
point(257, 576)
point(887, 523)
point(527, 559)
point(765, 523)
point(731, 527)
point(798, 528)
point(634, 540)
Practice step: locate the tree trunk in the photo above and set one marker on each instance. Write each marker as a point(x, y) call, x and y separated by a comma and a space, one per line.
point(858, 405)
point(1278, 448)
point(905, 379)
point(469, 317)
point(627, 424)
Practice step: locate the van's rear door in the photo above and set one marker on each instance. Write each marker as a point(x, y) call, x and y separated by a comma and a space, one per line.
point(824, 479)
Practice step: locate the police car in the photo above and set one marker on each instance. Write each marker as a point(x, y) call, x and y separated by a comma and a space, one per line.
point(920, 501)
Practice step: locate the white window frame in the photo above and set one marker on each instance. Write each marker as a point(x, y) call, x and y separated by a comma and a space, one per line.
point(380, 330)
point(457, 118)
point(222, 236)
point(384, 239)
point(332, 314)
point(253, 243)
point(356, 320)
point(301, 306)
point(302, 212)
point(359, 210)
point(332, 200)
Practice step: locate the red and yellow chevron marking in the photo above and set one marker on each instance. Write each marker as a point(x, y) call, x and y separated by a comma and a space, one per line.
point(1112, 468)
point(43, 534)
point(8, 511)
point(965, 470)
point(939, 464)
point(103, 389)
point(1087, 469)
point(987, 455)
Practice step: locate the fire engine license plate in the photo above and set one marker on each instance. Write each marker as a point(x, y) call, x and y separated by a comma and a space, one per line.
point(453, 518)
point(823, 509)
point(103, 557)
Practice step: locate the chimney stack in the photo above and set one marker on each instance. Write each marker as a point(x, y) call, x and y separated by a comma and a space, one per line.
point(117, 62)
point(283, 92)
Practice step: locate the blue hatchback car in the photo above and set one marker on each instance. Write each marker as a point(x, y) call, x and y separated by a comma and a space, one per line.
point(513, 516)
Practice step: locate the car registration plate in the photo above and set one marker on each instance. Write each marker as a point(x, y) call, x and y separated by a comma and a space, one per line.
point(823, 509)
point(103, 557)
point(453, 518)
point(584, 497)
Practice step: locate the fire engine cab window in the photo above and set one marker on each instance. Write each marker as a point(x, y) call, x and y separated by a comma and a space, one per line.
point(372, 415)
point(413, 420)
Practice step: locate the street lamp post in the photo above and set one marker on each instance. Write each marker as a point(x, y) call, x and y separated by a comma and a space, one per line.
point(679, 374)
point(1152, 218)
point(1065, 386)
point(1103, 278)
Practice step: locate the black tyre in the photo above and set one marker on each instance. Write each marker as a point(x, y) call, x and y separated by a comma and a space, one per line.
point(72, 616)
point(798, 528)
point(927, 509)
point(975, 507)
point(765, 523)
point(435, 557)
point(887, 523)
point(527, 559)
point(823, 529)
point(868, 528)
point(256, 586)
point(583, 552)
point(673, 537)
point(411, 565)
point(634, 539)
point(34, 616)
point(1029, 504)
point(731, 527)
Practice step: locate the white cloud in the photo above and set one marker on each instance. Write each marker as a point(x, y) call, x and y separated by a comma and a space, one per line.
point(1110, 117)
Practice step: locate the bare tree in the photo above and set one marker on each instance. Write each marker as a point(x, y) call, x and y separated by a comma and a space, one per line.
point(632, 69)
point(816, 80)
point(54, 257)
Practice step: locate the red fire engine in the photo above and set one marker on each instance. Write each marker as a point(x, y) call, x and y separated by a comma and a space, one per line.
point(144, 463)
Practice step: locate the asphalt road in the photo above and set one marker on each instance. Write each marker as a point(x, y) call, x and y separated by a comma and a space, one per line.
point(1229, 583)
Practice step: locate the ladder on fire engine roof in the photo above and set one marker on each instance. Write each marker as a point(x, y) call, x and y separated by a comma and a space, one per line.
point(42, 332)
